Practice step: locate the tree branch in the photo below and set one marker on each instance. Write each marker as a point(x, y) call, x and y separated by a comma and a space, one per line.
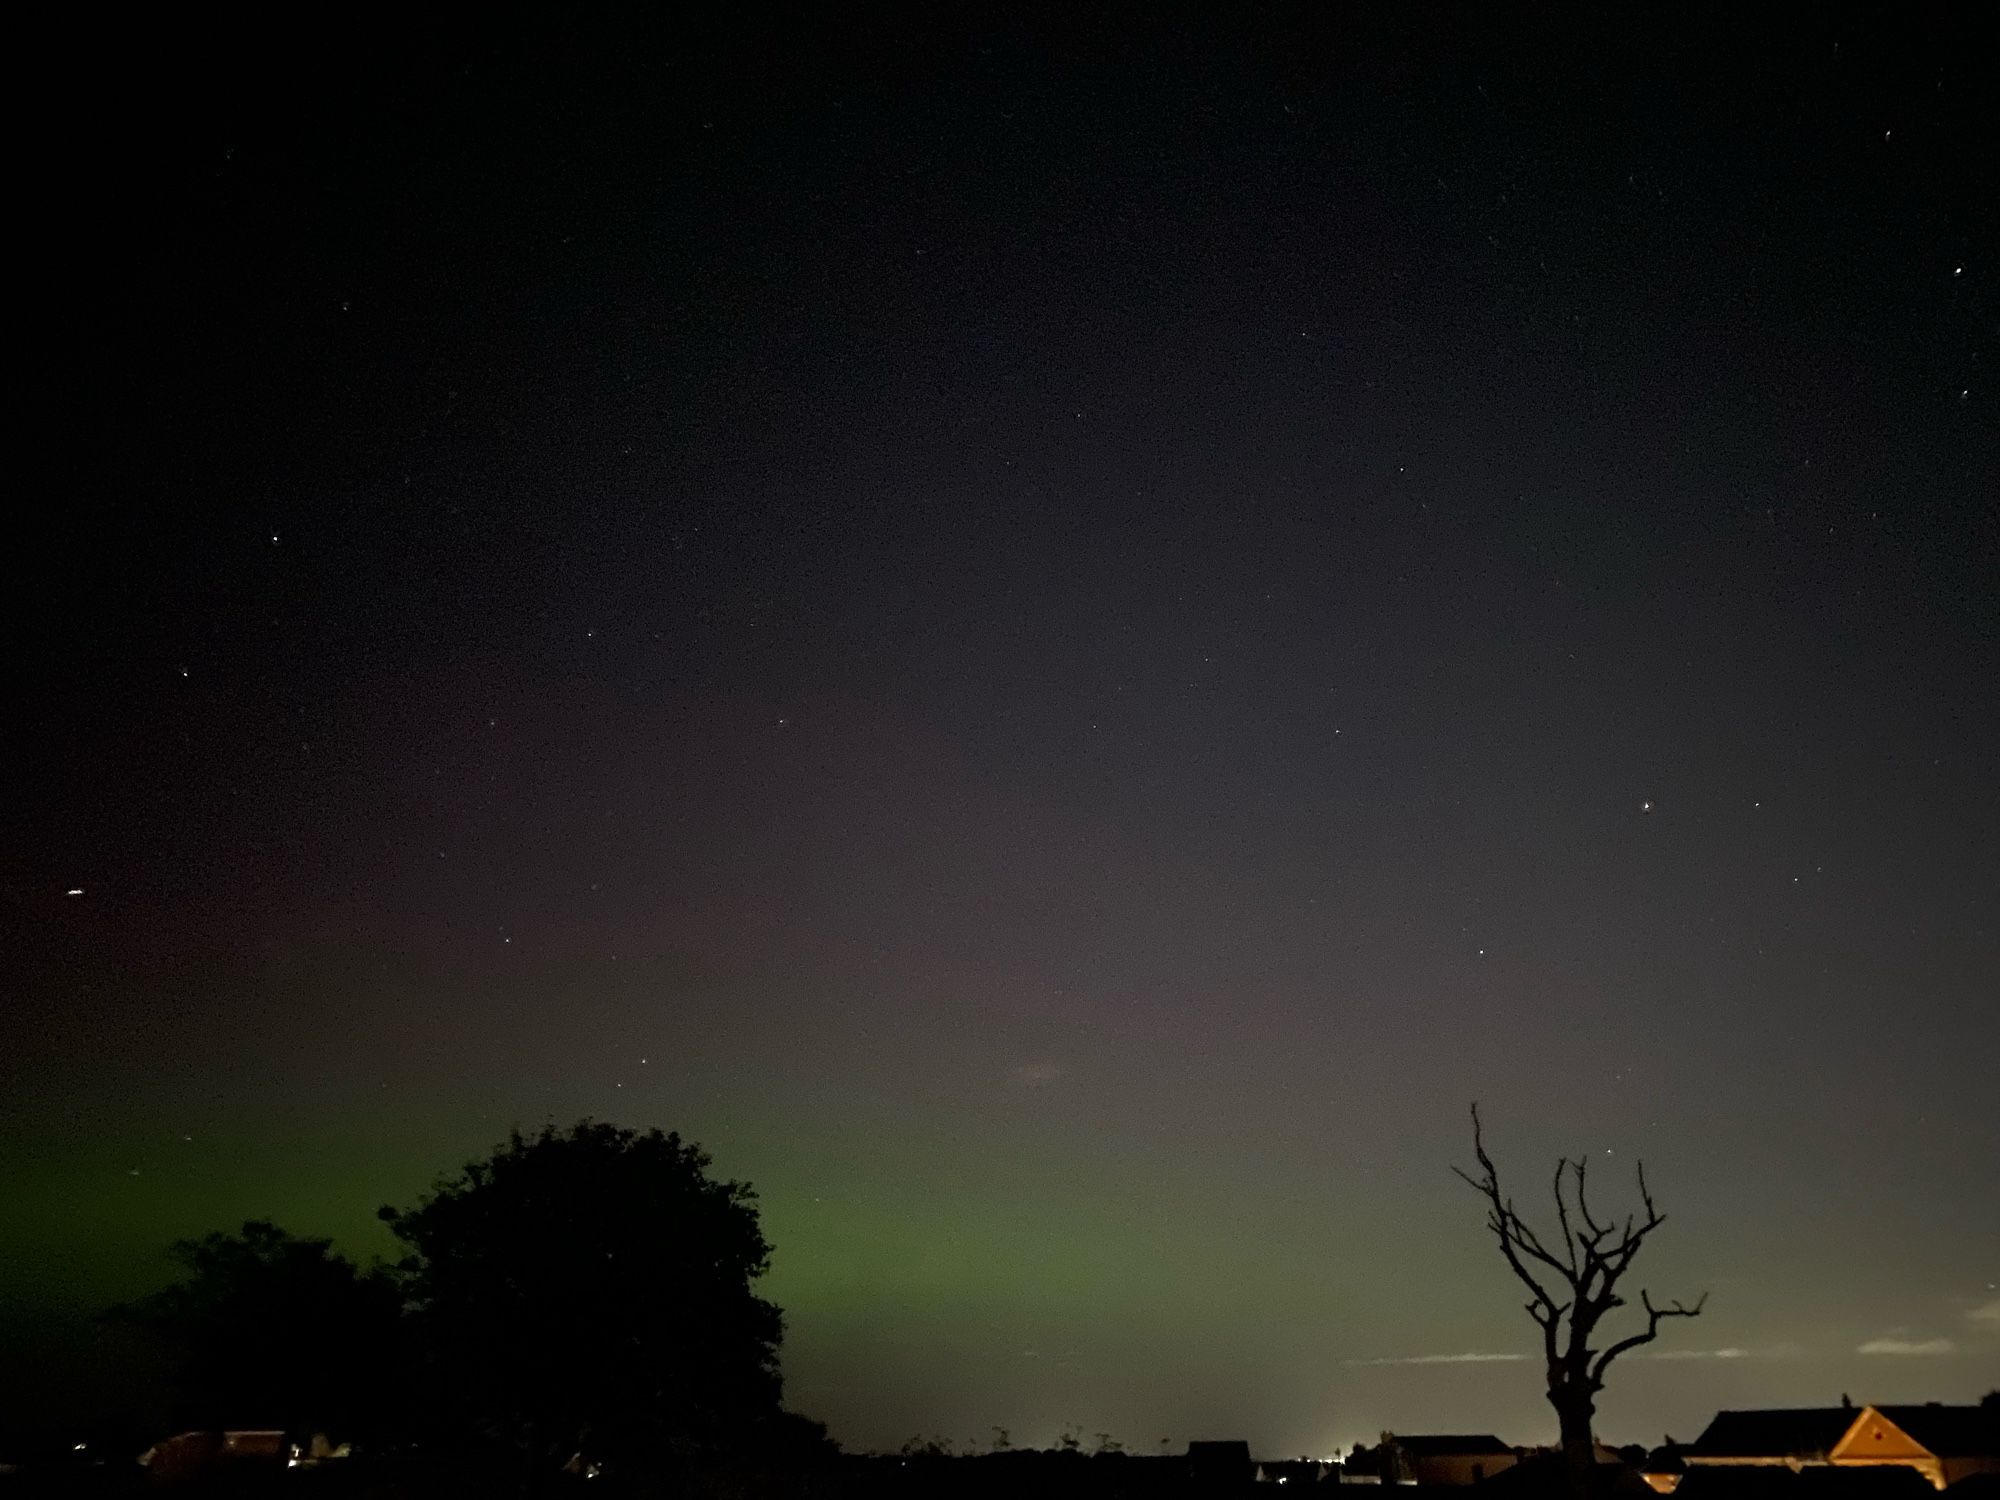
point(1562, 1218)
point(1595, 1256)
point(1653, 1318)
point(1582, 1204)
point(1505, 1222)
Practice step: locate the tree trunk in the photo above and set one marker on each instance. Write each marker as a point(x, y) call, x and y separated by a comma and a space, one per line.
point(1574, 1414)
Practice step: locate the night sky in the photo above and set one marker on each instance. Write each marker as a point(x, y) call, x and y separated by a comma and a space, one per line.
point(1058, 640)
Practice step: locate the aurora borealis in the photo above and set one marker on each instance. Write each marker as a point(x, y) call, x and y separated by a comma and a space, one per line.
point(1058, 642)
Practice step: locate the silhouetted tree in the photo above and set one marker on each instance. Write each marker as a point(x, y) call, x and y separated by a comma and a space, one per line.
point(266, 1329)
point(590, 1291)
point(1574, 1281)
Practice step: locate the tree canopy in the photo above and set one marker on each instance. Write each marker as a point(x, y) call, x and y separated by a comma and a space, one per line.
point(591, 1290)
point(268, 1329)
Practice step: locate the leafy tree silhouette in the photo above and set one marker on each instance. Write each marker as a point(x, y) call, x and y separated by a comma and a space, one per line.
point(590, 1291)
point(265, 1329)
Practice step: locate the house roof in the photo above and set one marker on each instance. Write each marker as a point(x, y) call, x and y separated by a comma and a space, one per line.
point(1539, 1475)
point(1779, 1482)
point(1218, 1459)
point(1950, 1431)
point(1869, 1482)
point(1439, 1444)
point(1738, 1482)
point(1780, 1432)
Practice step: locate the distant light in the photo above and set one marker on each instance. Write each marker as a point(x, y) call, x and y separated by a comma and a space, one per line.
point(1645, 807)
point(75, 890)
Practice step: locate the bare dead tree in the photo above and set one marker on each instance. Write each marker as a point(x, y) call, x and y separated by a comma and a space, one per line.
point(1574, 1280)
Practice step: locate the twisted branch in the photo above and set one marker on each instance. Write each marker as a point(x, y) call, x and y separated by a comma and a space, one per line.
point(1593, 1257)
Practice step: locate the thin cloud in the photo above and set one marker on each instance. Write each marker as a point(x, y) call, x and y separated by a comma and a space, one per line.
point(1908, 1346)
point(1731, 1353)
point(1987, 1316)
point(1035, 1075)
point(1469, 1358)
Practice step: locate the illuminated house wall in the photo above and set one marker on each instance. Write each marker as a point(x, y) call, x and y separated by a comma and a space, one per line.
point(1943, 1443)
point(1428, 1459)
